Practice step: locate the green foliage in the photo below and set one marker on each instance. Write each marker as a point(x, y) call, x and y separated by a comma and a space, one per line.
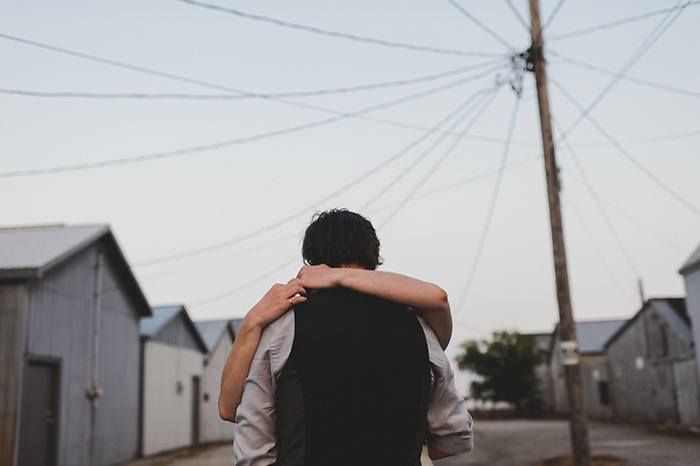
point(506, 366)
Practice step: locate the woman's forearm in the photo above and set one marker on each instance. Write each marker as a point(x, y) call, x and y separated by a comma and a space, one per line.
point(236, 369)
point(278, 300)
point(428, 299)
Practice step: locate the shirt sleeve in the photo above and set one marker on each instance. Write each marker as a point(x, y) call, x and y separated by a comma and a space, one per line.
point(255, 435)
point(449, 421)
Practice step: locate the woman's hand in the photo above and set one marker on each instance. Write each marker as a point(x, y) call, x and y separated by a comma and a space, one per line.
point(320, 276)
point(278, 300)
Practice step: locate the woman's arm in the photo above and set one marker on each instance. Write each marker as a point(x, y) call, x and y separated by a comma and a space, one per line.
point(278, 300)
point(428, 299)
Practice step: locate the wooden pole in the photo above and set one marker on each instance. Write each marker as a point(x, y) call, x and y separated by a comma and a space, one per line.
point(569, 346)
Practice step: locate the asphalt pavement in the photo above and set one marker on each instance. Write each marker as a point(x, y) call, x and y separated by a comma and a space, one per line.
point(517, 442)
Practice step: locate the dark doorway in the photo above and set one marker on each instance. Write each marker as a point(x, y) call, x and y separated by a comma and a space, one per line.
point(39, 421)
point(195, 410)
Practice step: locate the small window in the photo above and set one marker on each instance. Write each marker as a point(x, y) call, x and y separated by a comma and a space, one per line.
point(603, 393)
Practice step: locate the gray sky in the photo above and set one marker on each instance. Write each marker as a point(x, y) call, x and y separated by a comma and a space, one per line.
point(168, 206)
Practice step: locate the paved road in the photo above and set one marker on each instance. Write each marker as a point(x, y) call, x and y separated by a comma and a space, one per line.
point(519, 442)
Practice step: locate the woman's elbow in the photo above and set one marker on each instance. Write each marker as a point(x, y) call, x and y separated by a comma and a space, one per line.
point(226, 413)
point(442, 304)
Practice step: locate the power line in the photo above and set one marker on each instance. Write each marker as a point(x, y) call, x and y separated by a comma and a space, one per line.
point(207, 84)
point(597, 250)
point(238, 141)
point(343, 35)
point(554, 13)
point(246, 285)
point(626, 153)
point(462, 182)
point(599, 69)
point(247, 95)
point(622, 213)
point(613, 24)
point(165, 75)
point(421, 156)
point(603, 213)
point(487, 102)
point(663, 137)
point(218, 258)
point(295, 215)
point(492, 208)
point(658, 31)
point(517, 15)
point(488, 30)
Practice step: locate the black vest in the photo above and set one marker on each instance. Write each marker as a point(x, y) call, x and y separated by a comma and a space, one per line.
point(355, 388)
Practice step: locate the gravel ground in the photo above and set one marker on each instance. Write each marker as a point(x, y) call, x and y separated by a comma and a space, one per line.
point(514, 443)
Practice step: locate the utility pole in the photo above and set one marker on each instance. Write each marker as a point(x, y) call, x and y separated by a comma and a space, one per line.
point(569, 346)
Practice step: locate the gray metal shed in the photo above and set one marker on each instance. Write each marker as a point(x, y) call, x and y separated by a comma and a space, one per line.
point(691, 277)
point(652, 365)
point(591, 337)
point(69, 309)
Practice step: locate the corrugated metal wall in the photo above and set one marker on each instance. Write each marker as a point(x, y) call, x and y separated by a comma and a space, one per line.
point(12, 320)
point(686, 380)
point(214, 429)
point(176, 333)
point(167, 416)
point(641, 363)
point(60, 325)
point(692, 303)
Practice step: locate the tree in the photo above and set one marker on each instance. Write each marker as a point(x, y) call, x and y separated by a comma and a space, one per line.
point(506, 366)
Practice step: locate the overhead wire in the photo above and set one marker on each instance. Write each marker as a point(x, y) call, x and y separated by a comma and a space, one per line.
point(613, 24)
point(460, 108)
point(486, 103)
point(552, 15)
point(462, 182)
point(267, 274)
point(568, 200)
point(644, 82)
point(518, 15)
point(650, 40)
point(218, 258)
point(491, 209)
point(599, 204)
point(166, 75)
point(626, 153)
point(242, 140)
point(663, 137)
point(343, 35)
point(246, 94)
point(484, 27)
point(297, 214)
point(631, 220)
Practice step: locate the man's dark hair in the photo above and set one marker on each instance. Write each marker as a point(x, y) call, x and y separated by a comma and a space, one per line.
point(339, 237)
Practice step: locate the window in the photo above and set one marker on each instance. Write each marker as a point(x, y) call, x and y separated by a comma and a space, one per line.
point(603, 393)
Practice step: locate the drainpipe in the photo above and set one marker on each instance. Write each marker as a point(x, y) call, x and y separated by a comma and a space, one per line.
point(94, 392)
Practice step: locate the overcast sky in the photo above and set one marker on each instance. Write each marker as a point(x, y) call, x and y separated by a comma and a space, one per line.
point(430, 203)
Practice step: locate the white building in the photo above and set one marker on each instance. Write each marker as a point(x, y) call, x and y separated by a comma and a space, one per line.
point(172, 367)
point(218, 335)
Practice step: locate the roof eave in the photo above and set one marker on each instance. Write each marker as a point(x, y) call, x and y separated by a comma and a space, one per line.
point(29, 273)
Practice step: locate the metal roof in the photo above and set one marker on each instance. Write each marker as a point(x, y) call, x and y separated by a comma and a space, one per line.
point(212, 331)
point(673, 309)
point(29, 252)
point(161, 316)
point(592, 336)
point(692, 262)
point(236, 324)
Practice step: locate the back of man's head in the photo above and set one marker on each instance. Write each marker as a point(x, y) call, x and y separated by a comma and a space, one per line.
point(338, 238)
